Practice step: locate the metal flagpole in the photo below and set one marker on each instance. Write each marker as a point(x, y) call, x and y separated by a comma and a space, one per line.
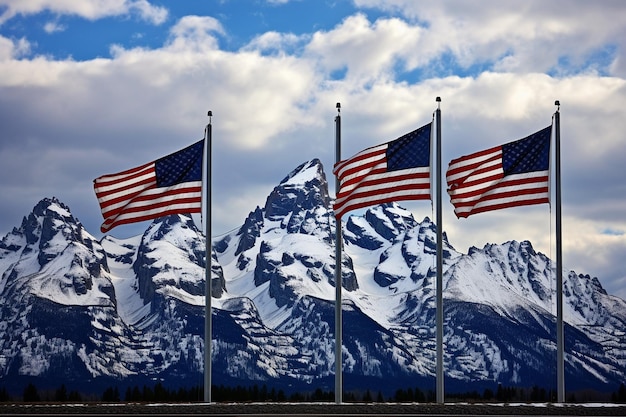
point(208, 321)
point(439, 307)
point(560, 365)
point(338, 252)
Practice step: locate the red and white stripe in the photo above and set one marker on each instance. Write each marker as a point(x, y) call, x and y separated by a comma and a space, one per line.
point(132, 196)
point(476, 183)
point(365, 181)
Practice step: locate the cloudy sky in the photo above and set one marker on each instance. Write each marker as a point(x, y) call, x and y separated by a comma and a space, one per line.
point(94, 87)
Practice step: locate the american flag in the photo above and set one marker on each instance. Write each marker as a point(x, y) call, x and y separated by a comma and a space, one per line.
point(510, 175)
point(394, 171)
point(171, 184)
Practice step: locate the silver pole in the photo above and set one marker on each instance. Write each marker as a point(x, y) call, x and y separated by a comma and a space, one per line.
point(338, 253)
point(208, 322)
point(560, 344)
point(439, 313)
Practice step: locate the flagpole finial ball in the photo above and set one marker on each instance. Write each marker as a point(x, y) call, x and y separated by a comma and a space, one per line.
point(438, 99)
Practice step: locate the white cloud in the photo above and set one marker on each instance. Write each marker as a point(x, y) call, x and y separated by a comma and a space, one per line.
point(618, 67)
point(88, 9)
point(275, 42)
point(368, 50)
point(10, 49)
point(53, 27)
point(154, 14)
point(194, 32)
point(274, 111)
point(6, 49)
point(534, 36)
point(591, 250)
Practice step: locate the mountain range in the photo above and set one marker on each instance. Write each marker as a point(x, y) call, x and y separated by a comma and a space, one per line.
point(90, 313)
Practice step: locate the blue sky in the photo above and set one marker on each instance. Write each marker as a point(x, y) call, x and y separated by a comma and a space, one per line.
point(71, 35)
point(89, 88)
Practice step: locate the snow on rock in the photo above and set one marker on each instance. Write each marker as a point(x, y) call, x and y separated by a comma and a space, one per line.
point(73, 308)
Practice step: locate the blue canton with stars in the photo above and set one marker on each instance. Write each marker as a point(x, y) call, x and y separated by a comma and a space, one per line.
point(410, 151)
point(527, 155)
point(179, 167)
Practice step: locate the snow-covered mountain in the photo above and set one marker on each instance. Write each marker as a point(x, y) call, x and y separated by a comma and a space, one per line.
point(75, 310)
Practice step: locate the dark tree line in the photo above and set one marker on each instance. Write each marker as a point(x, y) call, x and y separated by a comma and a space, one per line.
point(620, 395)
point(508, 394)
point(32, 394)
point(411, 395)
point(256, 393)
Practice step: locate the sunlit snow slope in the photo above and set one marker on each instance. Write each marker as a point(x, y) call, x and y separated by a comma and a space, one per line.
point(74, 309)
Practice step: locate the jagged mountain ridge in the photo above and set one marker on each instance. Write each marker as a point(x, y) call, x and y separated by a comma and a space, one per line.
point(134, 308)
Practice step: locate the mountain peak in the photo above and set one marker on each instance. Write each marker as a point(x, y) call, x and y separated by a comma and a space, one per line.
point(305, 188)
point(47, 203)
point(135, 308)
point(48, 208)
point(172, 252)
point(63, 262)
point(50, 227)
point(307, 171)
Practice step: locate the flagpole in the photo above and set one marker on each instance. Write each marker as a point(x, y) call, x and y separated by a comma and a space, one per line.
point(560, 343)
point(208, 321)
point(338, 284)
point(439, 307)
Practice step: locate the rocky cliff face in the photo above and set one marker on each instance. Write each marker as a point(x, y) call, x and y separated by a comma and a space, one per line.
point(73, 309)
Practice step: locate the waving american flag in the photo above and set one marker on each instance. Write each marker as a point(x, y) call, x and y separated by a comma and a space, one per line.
point(171, 184)
point(513, 174)
point(394, 171)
